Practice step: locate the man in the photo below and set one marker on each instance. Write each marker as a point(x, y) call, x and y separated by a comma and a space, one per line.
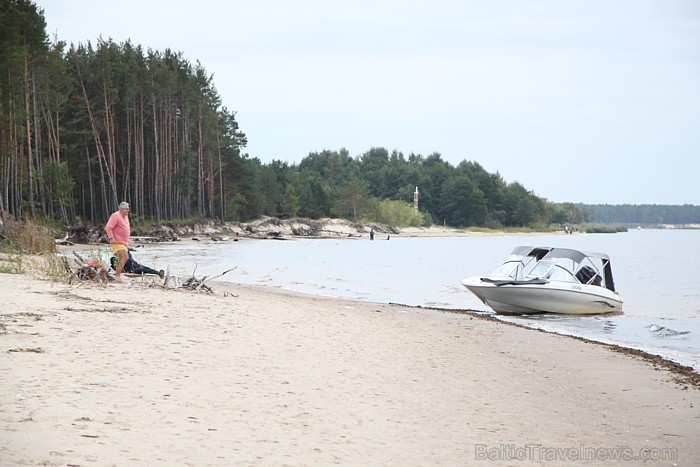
point(118, 231)
point(135, 267)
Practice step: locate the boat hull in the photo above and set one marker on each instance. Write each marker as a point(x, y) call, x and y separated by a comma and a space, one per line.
point(550, 297)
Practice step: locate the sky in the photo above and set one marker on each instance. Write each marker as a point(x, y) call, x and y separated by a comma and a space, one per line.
point(592, 101)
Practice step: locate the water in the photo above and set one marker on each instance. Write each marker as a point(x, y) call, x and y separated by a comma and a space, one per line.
point(654, 270)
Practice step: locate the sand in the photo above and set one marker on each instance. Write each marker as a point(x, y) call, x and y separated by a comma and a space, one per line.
point(139, 375)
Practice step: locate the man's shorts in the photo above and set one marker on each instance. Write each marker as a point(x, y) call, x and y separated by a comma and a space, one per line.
point(118, 247)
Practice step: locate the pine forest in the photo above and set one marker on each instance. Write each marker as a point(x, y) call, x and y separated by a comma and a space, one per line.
point(83, 127)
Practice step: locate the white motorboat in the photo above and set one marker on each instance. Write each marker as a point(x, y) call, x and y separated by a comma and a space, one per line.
point(562, 281)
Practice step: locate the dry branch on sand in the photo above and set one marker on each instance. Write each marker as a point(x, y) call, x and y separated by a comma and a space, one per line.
point(95, 271)
point(195, 284)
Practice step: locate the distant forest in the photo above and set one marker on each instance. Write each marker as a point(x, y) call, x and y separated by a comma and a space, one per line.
point(646, 214)
point(83, 127)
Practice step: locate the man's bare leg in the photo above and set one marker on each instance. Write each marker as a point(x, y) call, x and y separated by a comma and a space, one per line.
point(122, 258)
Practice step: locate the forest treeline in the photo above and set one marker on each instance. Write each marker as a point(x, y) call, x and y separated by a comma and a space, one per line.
point(646, 214)
point(83, 127)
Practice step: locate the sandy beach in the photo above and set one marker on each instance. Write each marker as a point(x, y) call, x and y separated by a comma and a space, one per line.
point(138, 375)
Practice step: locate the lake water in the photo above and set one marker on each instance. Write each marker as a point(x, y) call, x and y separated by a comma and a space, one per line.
point(655, 271)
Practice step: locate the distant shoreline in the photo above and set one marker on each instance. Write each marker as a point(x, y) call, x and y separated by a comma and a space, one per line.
point(273, 228)
point(284, 229)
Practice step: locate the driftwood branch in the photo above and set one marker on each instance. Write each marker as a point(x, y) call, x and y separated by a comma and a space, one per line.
point(196, 284)
point(87, 271)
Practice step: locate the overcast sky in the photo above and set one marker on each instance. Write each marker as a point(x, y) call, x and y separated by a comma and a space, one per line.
point(594, 101)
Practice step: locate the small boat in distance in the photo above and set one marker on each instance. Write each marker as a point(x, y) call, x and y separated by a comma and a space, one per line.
point(549, 280)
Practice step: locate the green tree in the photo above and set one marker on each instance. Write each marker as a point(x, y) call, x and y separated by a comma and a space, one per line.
point(463, 203)
point(398, 214)
point(314, 200)
point(352, 199)
point(271, 192)
point(522, 208)
point(434, 174)
point(371, 164)
point(23, 51)
point(290, 202)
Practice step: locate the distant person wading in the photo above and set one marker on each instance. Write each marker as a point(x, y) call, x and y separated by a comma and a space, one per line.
point(118, 230)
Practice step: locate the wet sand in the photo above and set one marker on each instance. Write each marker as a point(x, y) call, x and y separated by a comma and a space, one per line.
point(140, 375)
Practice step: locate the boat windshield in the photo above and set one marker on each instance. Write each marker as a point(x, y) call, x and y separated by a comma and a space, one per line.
point(551, 269)
point(520, 262)
point(509, 268)
point(517, 268)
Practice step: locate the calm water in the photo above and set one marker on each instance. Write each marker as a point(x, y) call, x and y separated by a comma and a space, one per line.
point(655, 272)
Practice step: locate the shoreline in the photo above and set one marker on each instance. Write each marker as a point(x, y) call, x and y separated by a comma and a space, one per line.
point(276, 229)
point(683, 374)
point(333, 231)
point(295, 228)
point(681, 364)
point(260, 376)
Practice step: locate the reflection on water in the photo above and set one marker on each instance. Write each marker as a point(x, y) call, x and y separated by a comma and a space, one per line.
point(661, 298)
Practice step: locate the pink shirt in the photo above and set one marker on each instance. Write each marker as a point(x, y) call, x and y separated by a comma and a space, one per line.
point(119, 228)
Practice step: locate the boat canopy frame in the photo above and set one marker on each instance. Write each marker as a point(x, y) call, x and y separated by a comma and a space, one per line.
point(525, 258)
point(587, 267)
